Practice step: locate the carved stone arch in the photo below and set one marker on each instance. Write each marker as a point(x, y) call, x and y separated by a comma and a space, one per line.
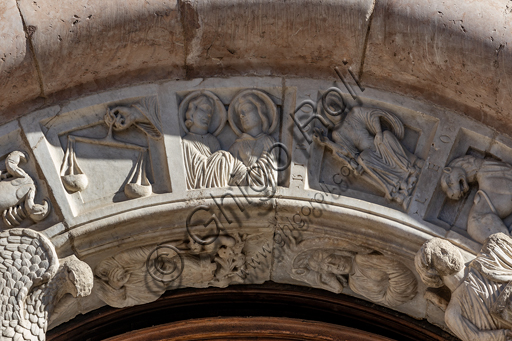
point(357, 147)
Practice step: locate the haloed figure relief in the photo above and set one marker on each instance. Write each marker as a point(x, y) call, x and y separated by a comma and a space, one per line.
point(253, 116)
point(251, 159)
point(360, 141)
point(206, 164)
point(492, 202)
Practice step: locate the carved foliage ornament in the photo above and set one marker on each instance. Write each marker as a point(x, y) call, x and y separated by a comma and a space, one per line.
point(17, 193)
point(480, 306)
point(32, 282)
point(141, 275)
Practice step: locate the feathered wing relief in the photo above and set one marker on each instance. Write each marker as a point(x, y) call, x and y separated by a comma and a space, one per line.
point(17, 193)
point(33, 280)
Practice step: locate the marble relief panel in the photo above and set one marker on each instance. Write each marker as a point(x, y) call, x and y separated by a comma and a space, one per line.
point(232, 137)
point(473, 193)
point(367, 149)
point(103, 151)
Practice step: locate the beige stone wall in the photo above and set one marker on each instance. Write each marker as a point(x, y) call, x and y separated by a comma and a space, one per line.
point(450, 53)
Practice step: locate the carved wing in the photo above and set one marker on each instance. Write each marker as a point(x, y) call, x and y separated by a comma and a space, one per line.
point(27, 259)
point(373, 118)
point(149, 108)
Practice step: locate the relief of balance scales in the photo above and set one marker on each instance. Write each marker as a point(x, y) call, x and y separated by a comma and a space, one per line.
point(120, 118)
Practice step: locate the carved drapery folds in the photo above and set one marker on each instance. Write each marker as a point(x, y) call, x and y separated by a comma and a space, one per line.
point(251, 159)
point(334, 264)
point(366, 141)
point(33, 280)
point(480, 306)
point(351, 171)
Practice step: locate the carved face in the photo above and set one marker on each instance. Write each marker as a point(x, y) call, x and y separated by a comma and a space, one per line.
point(250, 118)
point(337, 264)
point(79, 277)
point(454, 182)
point(202, 116)
point(447, 260)
point(124, 117)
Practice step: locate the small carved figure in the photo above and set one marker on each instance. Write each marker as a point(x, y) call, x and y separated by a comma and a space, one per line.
point(480, 306)
point(125, 280)
point(206, 164)
point(361, 142)
point(33, 281)
point(338, 264)
point(492, 202)
point(253, 117)
point(17, 193)
point(143, 115)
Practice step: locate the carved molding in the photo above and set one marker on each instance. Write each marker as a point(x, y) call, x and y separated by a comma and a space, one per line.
point(217, 182)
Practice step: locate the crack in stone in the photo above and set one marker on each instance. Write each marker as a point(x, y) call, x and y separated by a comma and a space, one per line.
point(369, 18)
point(189, 24)
point(29, 31)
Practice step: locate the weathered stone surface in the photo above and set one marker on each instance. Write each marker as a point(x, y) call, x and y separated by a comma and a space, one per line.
point(18, 74)
point(342, 203)
point(305, 38)
point(124, 169)
point(105, 44)
point(450, 53)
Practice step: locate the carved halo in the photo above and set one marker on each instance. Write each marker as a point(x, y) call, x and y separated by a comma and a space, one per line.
point(268, 109)
point(219, 111)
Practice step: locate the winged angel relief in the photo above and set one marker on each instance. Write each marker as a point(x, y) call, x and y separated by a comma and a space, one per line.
point(144, 116)
point(33, 280)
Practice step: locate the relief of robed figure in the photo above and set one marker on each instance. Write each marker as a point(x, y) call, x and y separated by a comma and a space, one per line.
point(478, 305)
point(253, 117)
point(333, 264)
point(203, 117)
point(360, 140)
point(251, 159)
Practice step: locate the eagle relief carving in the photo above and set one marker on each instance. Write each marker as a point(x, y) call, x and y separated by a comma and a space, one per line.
point(33, 280)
